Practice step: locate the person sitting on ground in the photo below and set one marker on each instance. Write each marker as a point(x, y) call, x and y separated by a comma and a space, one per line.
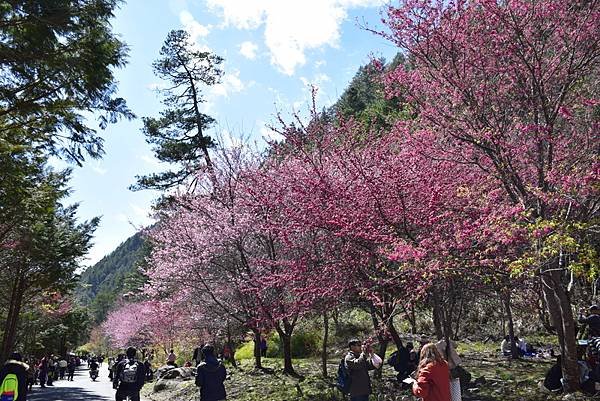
point(505, 346)
point(129, 377)
point(553, 379)
point(210, 375)
point(592, 320)
point(171, 358)
point(432, 382)
point(13, 379)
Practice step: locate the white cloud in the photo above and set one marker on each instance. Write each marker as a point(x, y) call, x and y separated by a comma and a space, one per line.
point(193, 27)
point(151, 161)
point(248, 50)
point(96, 167)
point(156, 86)
point(291, 27)
point(231, 83)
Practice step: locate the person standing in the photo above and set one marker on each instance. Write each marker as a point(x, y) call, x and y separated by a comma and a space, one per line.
point(171, 358)
point(197, 357)
point(52, 365)
point(71, 369)
point(263, 346)
point(62, 368)
point(210, 376)
point(13, 379)
point(432, 383)
point(43, 371)
point(148, 369)
point(359, 360)
point(129, 377)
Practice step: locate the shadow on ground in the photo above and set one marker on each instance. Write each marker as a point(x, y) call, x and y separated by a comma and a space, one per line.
point(64, 394)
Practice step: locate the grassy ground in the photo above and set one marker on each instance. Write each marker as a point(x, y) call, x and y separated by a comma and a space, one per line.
point(498, 380)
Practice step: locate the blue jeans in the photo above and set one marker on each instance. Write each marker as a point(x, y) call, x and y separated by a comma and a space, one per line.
point(360, 398)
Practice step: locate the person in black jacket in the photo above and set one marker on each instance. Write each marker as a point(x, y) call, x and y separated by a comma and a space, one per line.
point(552, 381)
point(592, 320)
point(15, 366)
point(400, 361)
point(210, 376)
point(129, 377)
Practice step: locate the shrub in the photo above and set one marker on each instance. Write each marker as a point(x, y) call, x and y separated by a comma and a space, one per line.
point(246, 351)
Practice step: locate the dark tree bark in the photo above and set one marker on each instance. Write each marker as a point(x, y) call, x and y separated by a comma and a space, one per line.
point(437, 316)
point(561, 315)
point(285, 330)
point(325, 340)
point(12, 319)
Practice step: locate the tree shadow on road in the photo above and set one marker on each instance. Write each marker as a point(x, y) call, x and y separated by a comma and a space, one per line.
point(65, 394)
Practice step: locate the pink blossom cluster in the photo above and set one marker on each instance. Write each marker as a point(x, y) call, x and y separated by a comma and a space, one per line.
point(505, 133)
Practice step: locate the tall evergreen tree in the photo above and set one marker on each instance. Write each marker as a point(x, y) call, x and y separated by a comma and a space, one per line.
point(179, 134)
point(56, 66)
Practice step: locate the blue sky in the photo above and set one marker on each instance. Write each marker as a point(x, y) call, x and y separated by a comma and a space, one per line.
point(273, 49)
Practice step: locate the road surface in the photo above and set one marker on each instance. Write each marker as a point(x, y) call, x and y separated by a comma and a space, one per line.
point(82, 388)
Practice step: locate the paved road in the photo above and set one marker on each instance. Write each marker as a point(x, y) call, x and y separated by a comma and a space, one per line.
point(82, 388)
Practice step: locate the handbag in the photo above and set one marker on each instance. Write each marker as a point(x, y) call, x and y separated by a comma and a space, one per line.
point(455, 393)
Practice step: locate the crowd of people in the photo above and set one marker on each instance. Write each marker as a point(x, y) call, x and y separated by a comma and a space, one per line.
point(19, 375)
point(432, 371)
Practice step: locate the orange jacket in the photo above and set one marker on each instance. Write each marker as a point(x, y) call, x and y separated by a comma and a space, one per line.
point(433, 382)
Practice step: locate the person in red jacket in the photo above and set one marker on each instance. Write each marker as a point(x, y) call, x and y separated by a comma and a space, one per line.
point(433, 376)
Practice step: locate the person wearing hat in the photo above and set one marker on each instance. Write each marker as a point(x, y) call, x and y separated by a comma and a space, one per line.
point(592, 320)
point(359, 360)
point(13, 369)
point(210, 376)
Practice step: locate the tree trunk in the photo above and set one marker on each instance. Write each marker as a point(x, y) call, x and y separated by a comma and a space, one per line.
point(380, 337)
point(335, 315)
point(325, 340)
point(12, 319)
point(514, 353)
point(257, 356)
point(230, 345)
point(437, 315)
point(561, 315)
point(286, 341)
point(413, 319)
point(394, 334)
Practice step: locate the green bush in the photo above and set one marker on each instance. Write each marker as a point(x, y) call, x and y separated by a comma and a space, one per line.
point(304, 344)
point(246, 351)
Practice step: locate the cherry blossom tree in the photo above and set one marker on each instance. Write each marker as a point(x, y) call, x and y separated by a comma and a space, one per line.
point(514, 86)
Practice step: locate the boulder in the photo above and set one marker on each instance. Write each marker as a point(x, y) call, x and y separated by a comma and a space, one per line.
point(160, 372)
point(164, 384)
point(178, 374)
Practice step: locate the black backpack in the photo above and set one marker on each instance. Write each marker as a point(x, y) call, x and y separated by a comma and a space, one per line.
point(344, 381)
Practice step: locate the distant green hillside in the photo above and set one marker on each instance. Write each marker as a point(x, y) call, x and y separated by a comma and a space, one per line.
point(114, 275)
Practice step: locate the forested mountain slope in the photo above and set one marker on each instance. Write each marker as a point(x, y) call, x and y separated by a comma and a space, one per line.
point(114, 275)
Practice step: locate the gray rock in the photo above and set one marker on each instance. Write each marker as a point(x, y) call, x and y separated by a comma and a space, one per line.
point(178, 374)
point(160, 372)
point(164, 384)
